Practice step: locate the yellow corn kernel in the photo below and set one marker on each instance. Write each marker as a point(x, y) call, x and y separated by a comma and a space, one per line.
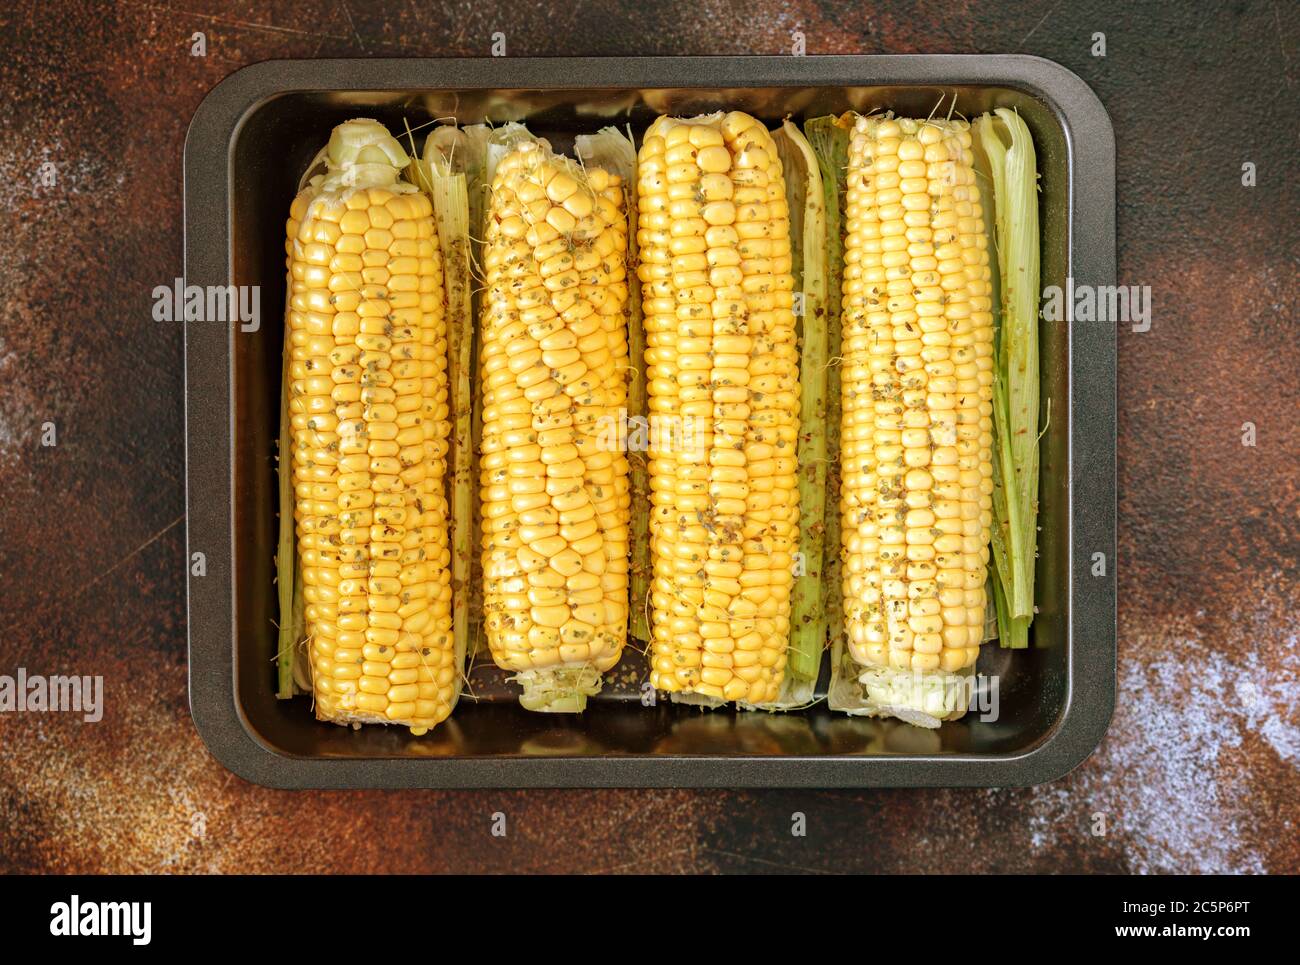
point(369, 415)
point(554, 477)
point(917, 389)
point(722, 372)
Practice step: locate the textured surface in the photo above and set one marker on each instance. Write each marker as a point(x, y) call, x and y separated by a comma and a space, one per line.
point(1200, 769)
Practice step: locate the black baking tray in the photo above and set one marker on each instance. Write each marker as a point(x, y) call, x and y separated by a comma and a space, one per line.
point(248, 143)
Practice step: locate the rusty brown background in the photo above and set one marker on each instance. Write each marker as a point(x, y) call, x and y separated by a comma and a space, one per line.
point(1200, 769)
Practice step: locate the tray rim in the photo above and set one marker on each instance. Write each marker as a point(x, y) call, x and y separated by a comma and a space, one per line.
point(1090, 613)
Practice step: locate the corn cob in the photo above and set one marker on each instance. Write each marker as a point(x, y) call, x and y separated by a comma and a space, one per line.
point(554, 478)
point(722, 373)
point(917, 416)
point(614, 150)
point(369, 420)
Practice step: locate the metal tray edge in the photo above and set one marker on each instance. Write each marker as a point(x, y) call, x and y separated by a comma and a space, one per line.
point(1092, 443)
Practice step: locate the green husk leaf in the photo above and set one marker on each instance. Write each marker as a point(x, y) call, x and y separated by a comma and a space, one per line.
point(829, 139)
point(1013, 632)
point(1008, 146)
point(442, 177)
point(988, 214)
point(615, 151)
point(806, 200)
point(474, 165)
point(287, 568)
